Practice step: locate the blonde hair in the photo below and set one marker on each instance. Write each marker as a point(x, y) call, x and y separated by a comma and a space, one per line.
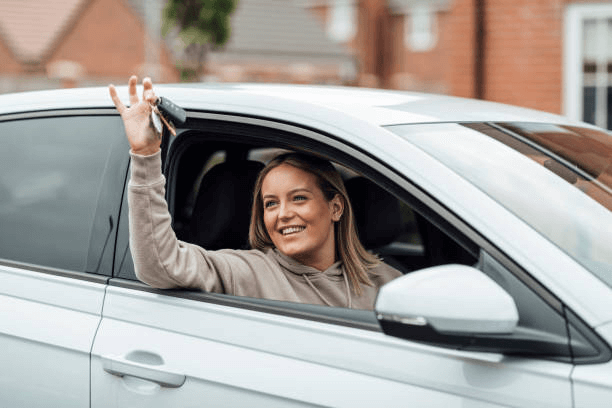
point(356, 259)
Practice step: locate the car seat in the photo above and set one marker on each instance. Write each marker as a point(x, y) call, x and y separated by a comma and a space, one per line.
point(222, 208)
point(378, 217)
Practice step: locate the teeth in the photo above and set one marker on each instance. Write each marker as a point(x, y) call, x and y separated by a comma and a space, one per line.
point(291, 230)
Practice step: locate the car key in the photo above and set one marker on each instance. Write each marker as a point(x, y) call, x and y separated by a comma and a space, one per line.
point(156, 120)
point(163, 107)
point(171, 110)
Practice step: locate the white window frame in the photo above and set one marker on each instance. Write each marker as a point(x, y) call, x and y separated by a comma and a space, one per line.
point(342, 20)
point(573, 84)
point(421, 28)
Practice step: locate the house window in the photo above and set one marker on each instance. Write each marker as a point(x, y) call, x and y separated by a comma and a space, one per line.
point(420, 29)
point(588, 63)
point(341, 24)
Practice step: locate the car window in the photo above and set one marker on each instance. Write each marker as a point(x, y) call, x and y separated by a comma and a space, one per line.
point(51, 172)
point(386, 224)
point(581, 156)
point(563, 194)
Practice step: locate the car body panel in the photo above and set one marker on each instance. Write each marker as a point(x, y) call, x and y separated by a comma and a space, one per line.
point(46, 338)
point(377, 107)
point(247, 353)
point(593, 382)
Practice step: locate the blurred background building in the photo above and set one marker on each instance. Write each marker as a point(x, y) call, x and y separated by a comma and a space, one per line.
point(552, 55)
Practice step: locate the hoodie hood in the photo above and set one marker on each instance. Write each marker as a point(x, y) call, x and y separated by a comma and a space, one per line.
point(334, 273)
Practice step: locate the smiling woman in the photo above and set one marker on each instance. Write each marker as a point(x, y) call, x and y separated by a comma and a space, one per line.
point(302, 208)
point(302, 233)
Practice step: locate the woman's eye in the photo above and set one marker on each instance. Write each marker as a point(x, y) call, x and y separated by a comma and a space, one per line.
point(299, 198)
point(269, 204)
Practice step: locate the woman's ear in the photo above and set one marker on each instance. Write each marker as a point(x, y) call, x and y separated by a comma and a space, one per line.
point(337, 207)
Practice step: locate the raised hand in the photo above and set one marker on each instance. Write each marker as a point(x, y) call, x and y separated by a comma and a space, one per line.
point(141, 135)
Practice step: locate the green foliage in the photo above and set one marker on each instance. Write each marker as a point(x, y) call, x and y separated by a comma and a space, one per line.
point(200, 22)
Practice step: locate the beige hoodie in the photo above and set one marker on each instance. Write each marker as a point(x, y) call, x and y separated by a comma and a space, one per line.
point(163, 261)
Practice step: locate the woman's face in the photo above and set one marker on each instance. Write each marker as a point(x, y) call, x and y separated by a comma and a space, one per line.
point(298, 218)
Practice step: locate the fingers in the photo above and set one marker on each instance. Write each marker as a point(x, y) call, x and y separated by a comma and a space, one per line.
point(118, 104)
point(148, 94)
point(132, 89)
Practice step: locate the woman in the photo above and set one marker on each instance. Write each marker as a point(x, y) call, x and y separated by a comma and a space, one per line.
point(305, 247)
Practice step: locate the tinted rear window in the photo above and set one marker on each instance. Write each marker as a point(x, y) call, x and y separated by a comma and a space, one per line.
point(50, 175)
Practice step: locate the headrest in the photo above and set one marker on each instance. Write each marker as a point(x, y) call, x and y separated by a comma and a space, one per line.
point(377, 213)
point(222, 209)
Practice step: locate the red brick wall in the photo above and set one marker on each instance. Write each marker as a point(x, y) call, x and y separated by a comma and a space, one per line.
point(385, 61)
point(523, 48)
point(425, 71)
point(523, 51)
point(459, 41)
point(108, 41)
point(369, 40)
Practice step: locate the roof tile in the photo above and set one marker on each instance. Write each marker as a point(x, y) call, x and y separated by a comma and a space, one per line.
point(30, 27)
point(278, 27)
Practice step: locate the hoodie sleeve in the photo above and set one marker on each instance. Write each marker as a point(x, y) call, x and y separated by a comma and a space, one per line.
point(160, 259)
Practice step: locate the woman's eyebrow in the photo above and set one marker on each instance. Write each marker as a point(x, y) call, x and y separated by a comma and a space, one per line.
point(293, 191)
point(299, 189)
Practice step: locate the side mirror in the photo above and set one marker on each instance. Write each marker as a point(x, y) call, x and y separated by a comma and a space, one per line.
point(451, 305)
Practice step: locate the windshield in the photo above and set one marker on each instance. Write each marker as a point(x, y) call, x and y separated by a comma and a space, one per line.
point(556, 178)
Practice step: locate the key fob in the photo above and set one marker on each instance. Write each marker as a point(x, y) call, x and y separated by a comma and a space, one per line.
point(171, 110)
point(156, 121)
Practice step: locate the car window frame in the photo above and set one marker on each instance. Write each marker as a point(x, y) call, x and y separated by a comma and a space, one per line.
point(293, 135)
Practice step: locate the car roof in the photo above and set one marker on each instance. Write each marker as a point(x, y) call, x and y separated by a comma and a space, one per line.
point(375, 106)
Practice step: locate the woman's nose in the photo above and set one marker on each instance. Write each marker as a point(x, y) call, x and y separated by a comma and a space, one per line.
point(285, 211)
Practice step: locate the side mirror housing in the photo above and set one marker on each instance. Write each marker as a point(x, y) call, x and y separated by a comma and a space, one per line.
point(451, 305)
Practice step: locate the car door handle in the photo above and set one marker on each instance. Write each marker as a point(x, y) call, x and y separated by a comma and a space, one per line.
point(121, 366)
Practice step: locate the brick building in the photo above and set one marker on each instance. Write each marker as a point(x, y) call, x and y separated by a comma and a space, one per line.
point(55, 43)
point(552, 55)
point(60, 43)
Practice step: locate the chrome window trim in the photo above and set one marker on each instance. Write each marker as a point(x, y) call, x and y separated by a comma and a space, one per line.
point(64, 273)
point(59, 113)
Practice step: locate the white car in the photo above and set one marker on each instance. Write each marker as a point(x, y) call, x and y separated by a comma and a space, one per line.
point(498, 216)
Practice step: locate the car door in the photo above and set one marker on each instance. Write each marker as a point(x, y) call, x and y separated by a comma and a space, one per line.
point(184, 348)
point(61, 183)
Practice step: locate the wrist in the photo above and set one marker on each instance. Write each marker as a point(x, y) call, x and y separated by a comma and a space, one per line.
point(146, 151)
point(145, 169)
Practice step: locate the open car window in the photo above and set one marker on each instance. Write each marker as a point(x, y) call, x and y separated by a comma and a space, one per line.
point(204, 213)
point(208, 213)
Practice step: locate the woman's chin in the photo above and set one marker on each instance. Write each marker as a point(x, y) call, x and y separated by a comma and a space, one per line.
point(292, 252)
